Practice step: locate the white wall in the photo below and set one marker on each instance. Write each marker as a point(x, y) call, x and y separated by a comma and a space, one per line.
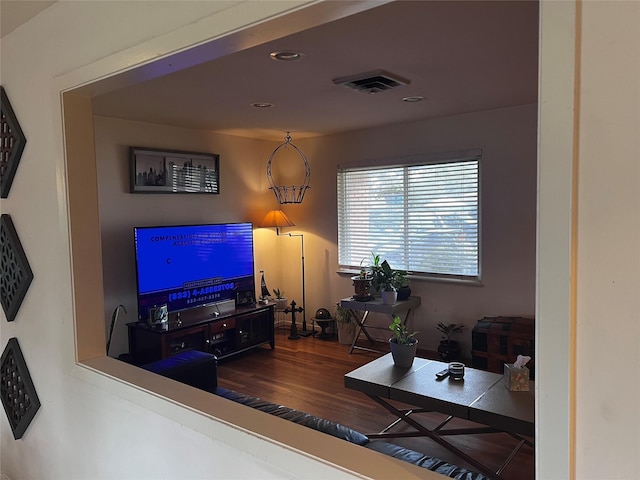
point(608, 227)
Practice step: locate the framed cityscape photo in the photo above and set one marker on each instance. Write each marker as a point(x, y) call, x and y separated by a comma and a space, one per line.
point(173, 171)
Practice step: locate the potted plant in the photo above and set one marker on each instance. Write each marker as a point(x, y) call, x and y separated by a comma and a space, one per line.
point(449, 349)
point(401, 284)
point(281, 300)
point(362, 284)
point(386, 280)
point(403, 344)
point(345, 324)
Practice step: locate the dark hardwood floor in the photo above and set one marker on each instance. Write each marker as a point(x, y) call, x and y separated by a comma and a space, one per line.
point(307, 374)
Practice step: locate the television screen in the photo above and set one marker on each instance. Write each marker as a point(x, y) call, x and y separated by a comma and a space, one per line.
point(192, 265)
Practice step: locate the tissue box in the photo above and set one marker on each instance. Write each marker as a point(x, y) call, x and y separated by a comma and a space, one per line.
point(516, 379)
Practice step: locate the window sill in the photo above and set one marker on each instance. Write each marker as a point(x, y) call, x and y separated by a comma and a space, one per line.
point(466, 281)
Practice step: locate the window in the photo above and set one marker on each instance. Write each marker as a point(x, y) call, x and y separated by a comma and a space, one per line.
point(421, 217)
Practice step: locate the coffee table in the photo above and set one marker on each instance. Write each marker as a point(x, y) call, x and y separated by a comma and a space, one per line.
point(481, 398)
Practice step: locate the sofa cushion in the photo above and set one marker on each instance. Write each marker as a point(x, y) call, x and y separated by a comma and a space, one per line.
point(322, 425)
point(424, 461)
point(199, 369)
point(195, 368)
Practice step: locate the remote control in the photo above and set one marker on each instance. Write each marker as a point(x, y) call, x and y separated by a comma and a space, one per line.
point(442, 374)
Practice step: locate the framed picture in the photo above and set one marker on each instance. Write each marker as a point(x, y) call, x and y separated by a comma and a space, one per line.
point(245, 299)
point(173, 171)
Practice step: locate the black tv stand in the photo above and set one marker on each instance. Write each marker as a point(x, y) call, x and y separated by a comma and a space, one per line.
point(224, 334)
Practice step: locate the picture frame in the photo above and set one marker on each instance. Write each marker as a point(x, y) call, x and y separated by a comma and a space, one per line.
point(245, 298)
point(173, 171)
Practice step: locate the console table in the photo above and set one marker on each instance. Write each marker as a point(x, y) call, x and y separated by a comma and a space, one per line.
point(225, 334)
point(375, 305)
point(481, 398)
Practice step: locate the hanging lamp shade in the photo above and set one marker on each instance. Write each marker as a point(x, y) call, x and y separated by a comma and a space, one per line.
point(289, 193)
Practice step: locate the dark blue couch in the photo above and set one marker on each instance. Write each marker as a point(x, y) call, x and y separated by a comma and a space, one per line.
point(200, 370)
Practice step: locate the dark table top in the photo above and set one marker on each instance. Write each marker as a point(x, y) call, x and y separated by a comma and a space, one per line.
point(376, 305)
point(481, 397)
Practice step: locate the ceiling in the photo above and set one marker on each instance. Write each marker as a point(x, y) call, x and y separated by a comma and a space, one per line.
point(14, 13)
point(460, 56)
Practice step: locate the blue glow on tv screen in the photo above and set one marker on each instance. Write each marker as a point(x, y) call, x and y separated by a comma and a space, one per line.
point(192, 265)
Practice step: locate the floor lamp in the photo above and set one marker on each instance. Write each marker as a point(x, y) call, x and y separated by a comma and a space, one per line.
point(278, 219)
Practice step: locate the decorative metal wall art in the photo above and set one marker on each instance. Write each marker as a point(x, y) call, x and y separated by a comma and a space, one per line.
point(19, 397)
point(12, 142)
point(15, 272)
point(292, 193)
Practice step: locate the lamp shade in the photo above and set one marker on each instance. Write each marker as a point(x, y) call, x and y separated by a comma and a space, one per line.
point(276, 218)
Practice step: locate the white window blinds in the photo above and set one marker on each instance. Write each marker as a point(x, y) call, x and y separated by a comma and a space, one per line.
point(421, 217)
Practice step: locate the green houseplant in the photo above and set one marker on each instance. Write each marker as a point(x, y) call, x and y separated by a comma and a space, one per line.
point(345, 324)
point(401, 284)
point(281, 300)
point(382, 277)
point(449, 349)
point(403, 344)
point(362, 283)
point(385, 279)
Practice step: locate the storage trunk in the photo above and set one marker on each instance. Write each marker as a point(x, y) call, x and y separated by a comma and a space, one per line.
point(499, 340)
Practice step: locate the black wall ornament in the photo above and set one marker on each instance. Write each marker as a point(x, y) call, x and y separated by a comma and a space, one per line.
point(12, 142)
point(15, 272)
point(17, 392)
point(19, 397)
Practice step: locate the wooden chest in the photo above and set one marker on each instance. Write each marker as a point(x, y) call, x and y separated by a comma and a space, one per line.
point(499, 340)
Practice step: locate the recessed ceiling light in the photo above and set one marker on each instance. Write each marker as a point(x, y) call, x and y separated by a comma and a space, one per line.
point(413, 99)
point(262, 104)
point(286, 56)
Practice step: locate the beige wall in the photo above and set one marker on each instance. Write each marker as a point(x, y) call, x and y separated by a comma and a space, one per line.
point(608, 243)
point(507, 139)
point(244, 196)
point(92, 424)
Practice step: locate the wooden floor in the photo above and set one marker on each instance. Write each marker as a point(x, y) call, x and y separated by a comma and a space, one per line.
point(307, 374)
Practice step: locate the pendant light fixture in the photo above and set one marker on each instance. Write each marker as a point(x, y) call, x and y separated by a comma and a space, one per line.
point(289, 193)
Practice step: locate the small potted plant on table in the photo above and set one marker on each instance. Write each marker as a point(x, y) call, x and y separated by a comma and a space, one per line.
point(401, 283)
point(362, 284)
point(382, 281)
point(403, 344)
point(386, 280)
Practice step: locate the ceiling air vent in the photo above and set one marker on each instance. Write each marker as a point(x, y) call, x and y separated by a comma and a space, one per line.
point(372, 82)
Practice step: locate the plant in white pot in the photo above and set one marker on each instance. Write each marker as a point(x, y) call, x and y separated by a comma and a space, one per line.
point(403, 344)
point(281, 300)
point(345, 324)
point(385, 279)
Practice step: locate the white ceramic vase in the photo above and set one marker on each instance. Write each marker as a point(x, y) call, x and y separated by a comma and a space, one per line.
point(389, 297)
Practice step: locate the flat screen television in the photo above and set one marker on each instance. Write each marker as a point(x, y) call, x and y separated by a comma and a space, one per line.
point(190, 266)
